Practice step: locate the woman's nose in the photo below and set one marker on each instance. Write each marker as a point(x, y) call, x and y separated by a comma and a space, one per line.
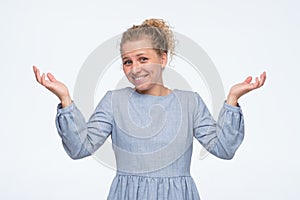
point(136, 67)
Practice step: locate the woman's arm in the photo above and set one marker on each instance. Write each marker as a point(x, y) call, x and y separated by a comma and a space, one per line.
point(223, 137)
point(79, 138)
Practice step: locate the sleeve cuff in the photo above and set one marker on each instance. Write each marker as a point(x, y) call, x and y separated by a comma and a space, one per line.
point(67, 109)
point(232, 108)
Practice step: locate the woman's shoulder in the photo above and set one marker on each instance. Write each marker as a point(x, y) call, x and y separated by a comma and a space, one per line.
point(185, 93)
point(186, 96)
point(110, 94)
point(120, 91)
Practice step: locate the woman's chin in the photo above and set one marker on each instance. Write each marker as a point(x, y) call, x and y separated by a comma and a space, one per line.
point(147, 87)
point(144, 87)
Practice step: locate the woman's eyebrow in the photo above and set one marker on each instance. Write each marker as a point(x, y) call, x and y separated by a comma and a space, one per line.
point(140, 54)
point(125, 57)
point(137, 55)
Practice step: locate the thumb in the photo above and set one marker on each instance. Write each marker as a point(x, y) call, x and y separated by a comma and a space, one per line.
point(248, 79)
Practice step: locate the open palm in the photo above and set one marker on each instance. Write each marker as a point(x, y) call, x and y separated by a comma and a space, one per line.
point(55, 86)
point(240, 89)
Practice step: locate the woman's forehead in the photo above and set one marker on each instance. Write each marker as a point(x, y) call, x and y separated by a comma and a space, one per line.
point(131, 46)
point(137, 52)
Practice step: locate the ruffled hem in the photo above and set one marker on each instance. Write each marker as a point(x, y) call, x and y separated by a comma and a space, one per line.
point(133, 187)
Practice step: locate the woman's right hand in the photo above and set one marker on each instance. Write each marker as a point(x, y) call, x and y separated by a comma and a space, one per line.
point(55, 86)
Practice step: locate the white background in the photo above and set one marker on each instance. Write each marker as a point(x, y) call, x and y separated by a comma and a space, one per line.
point(242, 38)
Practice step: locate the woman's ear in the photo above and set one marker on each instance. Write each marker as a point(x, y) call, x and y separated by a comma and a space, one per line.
point(164, 59)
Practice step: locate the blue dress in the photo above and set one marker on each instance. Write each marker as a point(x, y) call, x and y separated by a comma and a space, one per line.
point(152, 138)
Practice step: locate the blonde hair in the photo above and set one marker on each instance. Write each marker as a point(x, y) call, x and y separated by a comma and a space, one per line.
point(157, 30)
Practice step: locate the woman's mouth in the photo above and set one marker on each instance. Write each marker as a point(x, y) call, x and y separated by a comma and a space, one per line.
point(139, 79)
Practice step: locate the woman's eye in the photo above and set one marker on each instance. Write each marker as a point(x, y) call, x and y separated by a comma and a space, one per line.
point(143, 59)
point(127, 62)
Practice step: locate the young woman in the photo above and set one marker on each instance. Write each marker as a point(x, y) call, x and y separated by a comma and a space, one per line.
point(151, 126)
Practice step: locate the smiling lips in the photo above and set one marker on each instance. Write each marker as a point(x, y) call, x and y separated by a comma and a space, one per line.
point(139, 79)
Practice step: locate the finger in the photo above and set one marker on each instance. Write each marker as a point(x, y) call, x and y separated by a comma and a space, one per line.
point(248, 79)
point(262, 78)
point(43, 80)
point(255, 84)
point(37, 75)
point(34, 68)
point(51, 77)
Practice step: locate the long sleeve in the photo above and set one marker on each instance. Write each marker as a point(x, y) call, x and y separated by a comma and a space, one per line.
point(81, 138)
point(221, 138)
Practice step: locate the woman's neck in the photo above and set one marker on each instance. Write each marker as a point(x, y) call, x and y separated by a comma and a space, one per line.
point(156, 90)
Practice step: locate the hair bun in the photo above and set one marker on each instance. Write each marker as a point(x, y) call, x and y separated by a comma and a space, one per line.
point(166, 29)
point(159, 23)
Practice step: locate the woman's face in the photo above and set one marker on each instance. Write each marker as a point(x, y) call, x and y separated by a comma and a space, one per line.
point(142, 65)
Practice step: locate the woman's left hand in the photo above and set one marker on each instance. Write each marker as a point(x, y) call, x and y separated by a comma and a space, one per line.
point(240, 89)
